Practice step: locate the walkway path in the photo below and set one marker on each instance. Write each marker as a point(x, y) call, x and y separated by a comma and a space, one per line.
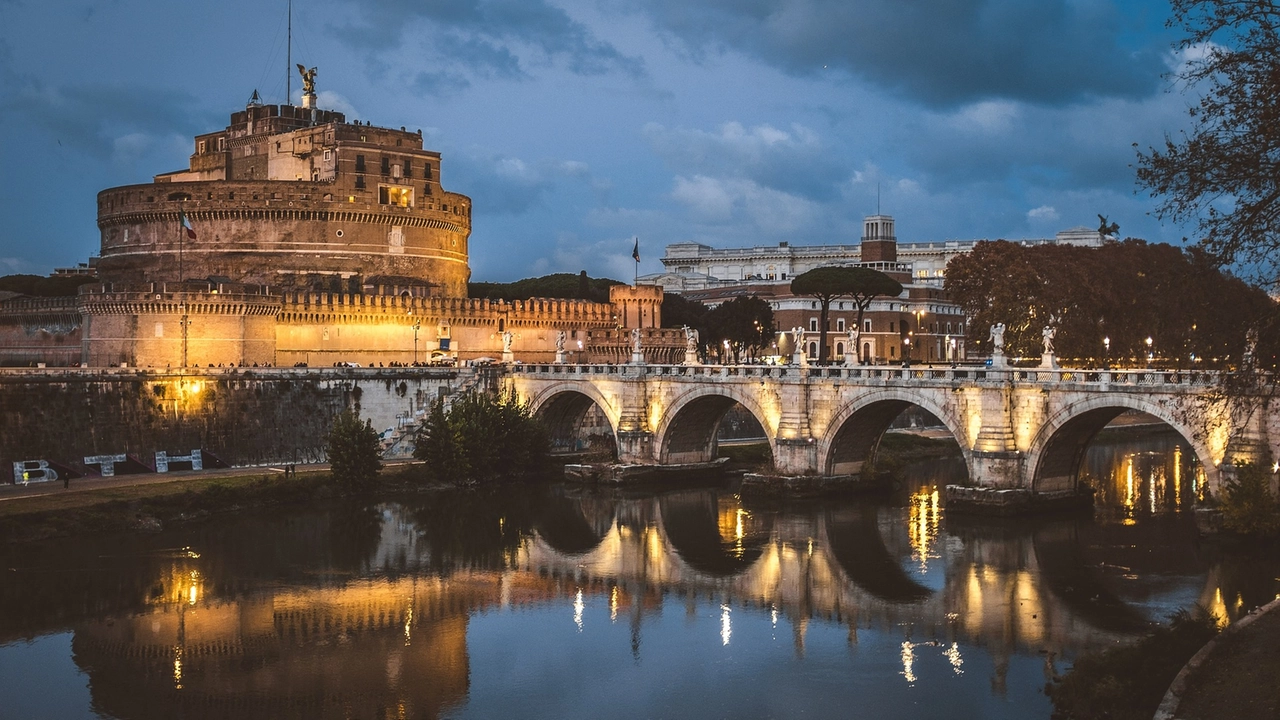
point(1235, 677)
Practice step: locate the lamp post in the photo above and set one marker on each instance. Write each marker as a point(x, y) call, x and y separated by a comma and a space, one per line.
point(919, 316)
point(417, 323)
point(1150, 355)
point(1106, 345)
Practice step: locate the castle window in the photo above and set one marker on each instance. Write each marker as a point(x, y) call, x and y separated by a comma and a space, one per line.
point(222, 144)
point(866, 326)
point(813, 324)
point(327, 155)
point(426, 171)
point(840, 325)
point(359, 163)
point(386, 165)
point(399, 196)
point(408, 168)
point(891, 326)
point(359, 182)
point(426, 189)
point(200, 147)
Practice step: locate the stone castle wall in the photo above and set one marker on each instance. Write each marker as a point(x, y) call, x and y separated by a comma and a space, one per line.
point(281, 233)
point(40, 330)
point(243, 416)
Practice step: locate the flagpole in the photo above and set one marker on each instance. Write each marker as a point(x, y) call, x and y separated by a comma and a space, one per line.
point(182, 302)
point(636, 254)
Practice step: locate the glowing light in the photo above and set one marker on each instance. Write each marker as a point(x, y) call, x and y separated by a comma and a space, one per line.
point(773, 616)
point(922, 526)
point(908, 661)
point(408, 623)
point(1128, 492)
point(177, 667)
point(1177, 478)
point(613, 604)
point(953, 656)
point(578, 607)
point(726, 625)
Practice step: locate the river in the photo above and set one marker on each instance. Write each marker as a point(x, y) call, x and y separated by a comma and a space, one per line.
point(564, 602)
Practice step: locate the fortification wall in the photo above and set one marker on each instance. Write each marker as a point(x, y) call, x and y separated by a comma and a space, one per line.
point(40, 330)
point(143, 324)
point(282, 233)
point(243, 417)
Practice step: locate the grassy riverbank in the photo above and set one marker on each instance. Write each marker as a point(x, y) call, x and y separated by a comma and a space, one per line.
point(152, 506)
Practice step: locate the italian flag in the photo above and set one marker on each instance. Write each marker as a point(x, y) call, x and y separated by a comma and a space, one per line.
point(186, 225)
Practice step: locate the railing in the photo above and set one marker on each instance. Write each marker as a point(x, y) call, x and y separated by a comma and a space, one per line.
point(879, 373)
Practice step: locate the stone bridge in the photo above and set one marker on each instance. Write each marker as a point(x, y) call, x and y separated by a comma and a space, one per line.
point(1017, 428)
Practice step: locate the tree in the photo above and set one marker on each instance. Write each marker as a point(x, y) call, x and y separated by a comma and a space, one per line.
point(1224, 174)
point(354, 452)
point(862, 285)
point(1123, 291)
point(745, 322)
point(483, 437)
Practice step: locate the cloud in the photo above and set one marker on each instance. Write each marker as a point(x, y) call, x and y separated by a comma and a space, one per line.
point(465, 40)
point(508, 185)
point(1044, 213)
point(943, 54)
point(794, 160)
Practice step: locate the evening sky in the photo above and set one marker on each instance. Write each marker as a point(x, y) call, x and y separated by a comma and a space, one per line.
point(576, 125)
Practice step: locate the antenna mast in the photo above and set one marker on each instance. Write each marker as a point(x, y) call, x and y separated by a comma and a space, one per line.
point(288, 61)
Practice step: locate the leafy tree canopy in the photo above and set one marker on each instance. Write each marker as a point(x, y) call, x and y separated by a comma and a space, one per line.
point(678, 311)
point(1125, 291)
point(354, 452)
point(1223, 175)
point(40, 286)
point(560, 285)
point(746, 322)
point(483, 437)
point(860, 284)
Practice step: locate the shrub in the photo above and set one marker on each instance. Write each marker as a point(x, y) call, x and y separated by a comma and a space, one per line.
point(1127, 683)
point(483, 437)
point(1248, 505)
point(354, 452)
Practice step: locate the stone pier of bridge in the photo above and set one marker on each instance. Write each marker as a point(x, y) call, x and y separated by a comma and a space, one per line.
point(1023, 429)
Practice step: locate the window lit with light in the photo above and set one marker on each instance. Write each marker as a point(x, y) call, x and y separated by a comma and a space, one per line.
point(395, 195)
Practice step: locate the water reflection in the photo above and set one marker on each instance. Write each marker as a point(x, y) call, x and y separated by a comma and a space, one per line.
point(518, 601)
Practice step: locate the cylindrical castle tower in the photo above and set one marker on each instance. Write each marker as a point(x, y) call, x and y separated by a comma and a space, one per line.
point(295, 198)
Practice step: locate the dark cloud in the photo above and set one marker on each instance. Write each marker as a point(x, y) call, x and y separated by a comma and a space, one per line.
point(484, 36)
point(95, 118)
point(940, 52)
point(794, 159)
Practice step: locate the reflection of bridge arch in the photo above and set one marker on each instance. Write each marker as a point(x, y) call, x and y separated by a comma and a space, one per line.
point(1057, 450)
point(562, 408)
point(691, 525)
point(855, 429)
point(569, 528)
point(687, 431)
point(854, 538)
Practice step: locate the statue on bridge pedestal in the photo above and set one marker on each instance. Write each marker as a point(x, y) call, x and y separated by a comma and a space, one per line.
point(507, 338)
point(560, 338)
point(851, 354)
point(637, 352)
point(690, 346)
point(1046, 359)
point(997, 345)
point(797, 339)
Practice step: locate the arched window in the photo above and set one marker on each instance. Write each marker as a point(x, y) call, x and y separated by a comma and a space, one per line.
point(866, 352)
point(839, 349)
point(813, 349)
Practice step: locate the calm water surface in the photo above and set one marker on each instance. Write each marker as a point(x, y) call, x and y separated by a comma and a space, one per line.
point(568, 603)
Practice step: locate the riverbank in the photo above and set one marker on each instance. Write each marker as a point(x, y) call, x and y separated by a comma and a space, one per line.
point(1233, 676)
point(152, 506)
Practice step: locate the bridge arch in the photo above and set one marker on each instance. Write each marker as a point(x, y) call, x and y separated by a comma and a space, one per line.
point(687, 429)
point(1058, 447)
point(854, 433)
point(563, 406)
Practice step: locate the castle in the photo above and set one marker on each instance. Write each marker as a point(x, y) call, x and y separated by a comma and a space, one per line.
point(296, 236)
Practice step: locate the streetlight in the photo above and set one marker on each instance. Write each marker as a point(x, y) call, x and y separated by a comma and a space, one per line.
point(726, 352)
point(417, 323)
point(1106, 344)
point(1150, 356)
point(920, 314)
